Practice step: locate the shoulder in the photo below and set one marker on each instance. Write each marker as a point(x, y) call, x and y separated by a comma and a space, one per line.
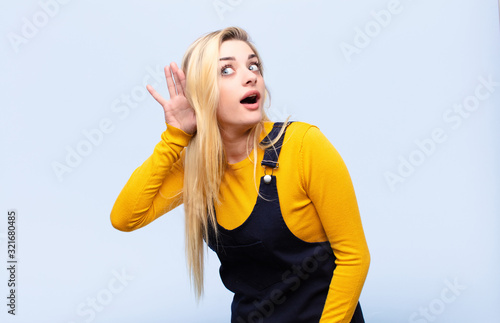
point(299, 134)
point(296, 127)
point(300, 126)
point(309, 143)
point(304, 133)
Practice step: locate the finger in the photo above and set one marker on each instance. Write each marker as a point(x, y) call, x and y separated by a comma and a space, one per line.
point(182, 79)
point(178, 83)
point(170, 82)
point(156, 95)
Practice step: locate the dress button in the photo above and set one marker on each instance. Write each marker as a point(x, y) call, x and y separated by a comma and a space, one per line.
point(267, 179)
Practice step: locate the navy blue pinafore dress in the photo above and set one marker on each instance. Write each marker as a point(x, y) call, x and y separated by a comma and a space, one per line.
point(275, 276)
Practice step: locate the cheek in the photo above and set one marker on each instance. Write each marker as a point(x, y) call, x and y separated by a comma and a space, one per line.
point(224, 104)
point(224, 94)
point(262, 83)
point(221, 109)
point(227, 97)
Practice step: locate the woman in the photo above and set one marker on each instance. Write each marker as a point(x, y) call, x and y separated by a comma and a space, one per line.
point(296, 256)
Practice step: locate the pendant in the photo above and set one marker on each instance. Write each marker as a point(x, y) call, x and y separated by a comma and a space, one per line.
point(267, 179)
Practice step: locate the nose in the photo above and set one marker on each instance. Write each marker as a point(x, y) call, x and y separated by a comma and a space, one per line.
point(249, 78)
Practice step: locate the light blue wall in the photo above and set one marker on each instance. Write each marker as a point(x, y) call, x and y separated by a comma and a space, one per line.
point(407, 91)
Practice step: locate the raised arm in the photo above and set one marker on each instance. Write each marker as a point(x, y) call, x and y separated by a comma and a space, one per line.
point(155, 187)
point(178, 112)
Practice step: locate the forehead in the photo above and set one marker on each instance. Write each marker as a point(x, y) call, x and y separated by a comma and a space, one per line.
point(236, 48)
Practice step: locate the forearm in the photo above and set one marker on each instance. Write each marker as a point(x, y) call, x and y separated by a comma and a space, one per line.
point(347, 239)
point(348, 242)
point(347, 282)
point(330, 188)
point(155, 187)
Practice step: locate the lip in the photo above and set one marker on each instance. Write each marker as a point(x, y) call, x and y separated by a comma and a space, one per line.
point(251, 106)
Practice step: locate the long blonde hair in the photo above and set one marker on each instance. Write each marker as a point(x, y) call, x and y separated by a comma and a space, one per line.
point(204, 160)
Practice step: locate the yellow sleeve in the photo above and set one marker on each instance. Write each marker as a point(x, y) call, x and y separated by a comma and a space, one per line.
point(155, 187)
point(328, 184)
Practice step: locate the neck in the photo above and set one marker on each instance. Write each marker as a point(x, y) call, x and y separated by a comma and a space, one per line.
point(235, 145)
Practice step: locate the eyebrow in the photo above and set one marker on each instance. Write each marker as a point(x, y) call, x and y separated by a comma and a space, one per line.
point(231, 58)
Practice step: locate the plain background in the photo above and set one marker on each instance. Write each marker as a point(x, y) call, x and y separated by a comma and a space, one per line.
point(379, 78)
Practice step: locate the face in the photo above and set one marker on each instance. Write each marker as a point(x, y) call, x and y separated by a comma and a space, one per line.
point(241, 87)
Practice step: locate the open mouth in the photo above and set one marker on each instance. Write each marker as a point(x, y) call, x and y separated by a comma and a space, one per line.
point(250, 99)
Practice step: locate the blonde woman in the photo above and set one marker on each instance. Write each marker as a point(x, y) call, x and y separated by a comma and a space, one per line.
point(274, 201)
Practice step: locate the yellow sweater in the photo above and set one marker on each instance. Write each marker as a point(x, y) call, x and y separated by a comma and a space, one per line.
point(316, 197)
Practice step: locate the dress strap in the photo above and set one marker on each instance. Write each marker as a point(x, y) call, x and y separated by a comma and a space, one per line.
point(271, 154)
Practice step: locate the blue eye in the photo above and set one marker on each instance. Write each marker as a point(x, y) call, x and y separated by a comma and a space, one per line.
point(227, 70)
point(254, 67)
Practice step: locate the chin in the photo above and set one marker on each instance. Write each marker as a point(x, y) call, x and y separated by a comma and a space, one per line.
point(257, 116)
